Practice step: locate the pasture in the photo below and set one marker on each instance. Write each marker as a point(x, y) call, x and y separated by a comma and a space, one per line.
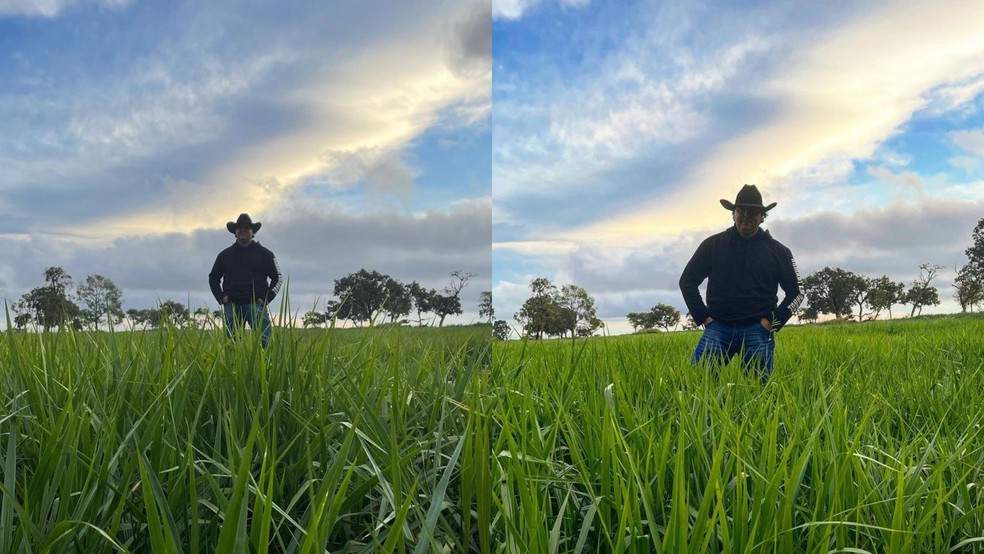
point(867, 438)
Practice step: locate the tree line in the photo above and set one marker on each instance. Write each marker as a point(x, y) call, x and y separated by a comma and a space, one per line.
point(363, 296)
point(569, 310)
point(369, 296)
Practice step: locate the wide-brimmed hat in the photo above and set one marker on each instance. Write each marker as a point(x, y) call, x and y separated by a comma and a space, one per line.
point(748, 197)
point(243, 221)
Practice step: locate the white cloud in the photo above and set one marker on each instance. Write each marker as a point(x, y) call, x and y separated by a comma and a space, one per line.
point(830, 105)
point(52, 8)
point(970, 140)
point(514, 9)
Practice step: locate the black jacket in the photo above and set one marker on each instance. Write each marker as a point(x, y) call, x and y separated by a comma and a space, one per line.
point(742, 276)
point(243, 272)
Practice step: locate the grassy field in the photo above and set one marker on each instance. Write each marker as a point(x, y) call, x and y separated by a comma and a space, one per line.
point(867, 438)
point(180, 441)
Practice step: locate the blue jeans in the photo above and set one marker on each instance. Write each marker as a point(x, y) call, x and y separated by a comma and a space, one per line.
point(237, 315)
point(721, 341)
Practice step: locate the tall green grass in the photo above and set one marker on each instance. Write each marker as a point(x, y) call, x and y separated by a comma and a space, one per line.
point(182, 441)
point(868, 438)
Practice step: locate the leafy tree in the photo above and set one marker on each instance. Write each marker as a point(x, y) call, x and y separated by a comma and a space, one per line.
point(145, 317)
point(398, 302)
point(49, 304)
point(554, 312)
point(175, 312)
point(444, 305)
point(665, 316)
point(362, 295)
point(833, 291)
point(314, 319)
point(577, 310)
point(500, 330)
point(449, 303)
point(922, 293)
point(485, 308)
point(883, 293)
point(660, 315)
point(103, 300)
point(975, 253)
point(422, 300)
point(538, 313)
point(968, 288)
point(639, 320)
point(809, 313)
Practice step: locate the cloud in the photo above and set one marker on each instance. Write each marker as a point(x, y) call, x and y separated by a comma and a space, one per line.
point(314, 247)
point(797, 129)
point(52, 8)
point(515, 9)
point(970, 140)
point(229, 103)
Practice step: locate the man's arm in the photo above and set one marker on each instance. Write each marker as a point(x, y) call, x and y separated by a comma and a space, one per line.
point(697, 269)
point(214, 277)
point(789, 281)
point(276, 279)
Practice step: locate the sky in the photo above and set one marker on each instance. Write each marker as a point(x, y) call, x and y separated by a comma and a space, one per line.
point(357, 132)
point(619, 124)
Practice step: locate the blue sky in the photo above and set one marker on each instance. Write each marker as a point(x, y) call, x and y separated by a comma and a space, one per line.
point(617, 127)
point(132, 131)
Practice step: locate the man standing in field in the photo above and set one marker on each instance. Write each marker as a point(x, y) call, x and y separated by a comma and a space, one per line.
point(243, 270)
point(743, 266)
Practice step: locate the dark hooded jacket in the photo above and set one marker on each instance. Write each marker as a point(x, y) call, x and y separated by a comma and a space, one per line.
point(243, 272)
point(742, 279)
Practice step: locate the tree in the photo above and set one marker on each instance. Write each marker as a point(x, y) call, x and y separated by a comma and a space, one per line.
point(449, 303)
point(485, 308)
point(146, 317)
point(975, 253)
point(665, 316)
point(537, 314)
point(422, 300)
point(444, 305)
point(175, 312)
point(398, 300)
point(103, 300)
point(832, 291)
point(314, 319)
point(968, 288)
point(577, 311)
point(883, 293)
point(922, 293)
point(660, 315)
point(49, 304)
point(638, 320)
point(808, 313)
point(501, 330)
point(362, 295)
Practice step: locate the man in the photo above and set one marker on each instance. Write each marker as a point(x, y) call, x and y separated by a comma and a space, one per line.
point(743, 266)
point(244, 269)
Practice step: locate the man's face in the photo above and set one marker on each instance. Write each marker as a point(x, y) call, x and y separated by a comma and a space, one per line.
point(747, 220)
point(244, 235)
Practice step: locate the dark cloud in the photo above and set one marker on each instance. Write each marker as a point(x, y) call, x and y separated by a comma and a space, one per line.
point(313, 249)
point(892, 241)
point(469, 43)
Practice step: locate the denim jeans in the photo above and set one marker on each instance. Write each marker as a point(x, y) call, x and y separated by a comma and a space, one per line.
point(721, 341)
point(237, 315)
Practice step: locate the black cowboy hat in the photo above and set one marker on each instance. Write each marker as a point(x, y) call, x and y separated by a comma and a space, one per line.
point(243, 221)
point(748, 197)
